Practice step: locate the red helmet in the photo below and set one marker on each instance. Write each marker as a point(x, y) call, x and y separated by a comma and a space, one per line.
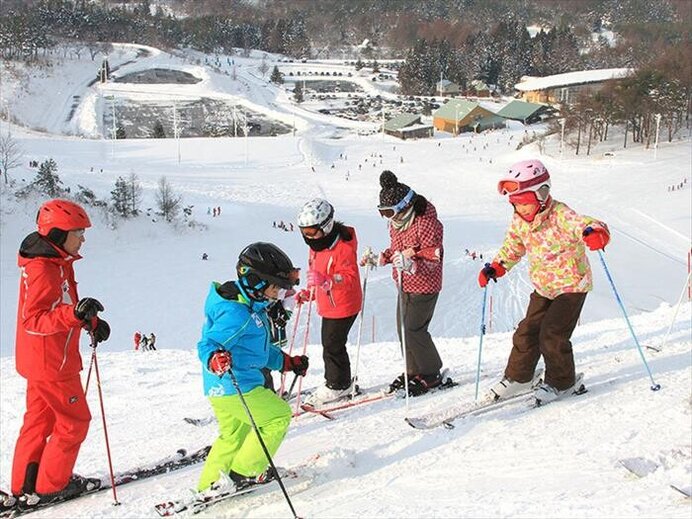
point(61, 214)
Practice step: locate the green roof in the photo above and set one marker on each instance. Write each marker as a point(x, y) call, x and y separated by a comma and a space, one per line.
point(519, 110)
point(489, 120)
point(454, 108)
point(401, 121)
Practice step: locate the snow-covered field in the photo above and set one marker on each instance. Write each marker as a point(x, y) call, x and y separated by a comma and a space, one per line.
point(560, 461)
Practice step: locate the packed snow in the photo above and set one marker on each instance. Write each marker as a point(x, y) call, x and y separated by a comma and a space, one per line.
point(558, 461)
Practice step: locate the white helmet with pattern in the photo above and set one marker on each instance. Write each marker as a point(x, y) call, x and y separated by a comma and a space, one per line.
point(317, 213)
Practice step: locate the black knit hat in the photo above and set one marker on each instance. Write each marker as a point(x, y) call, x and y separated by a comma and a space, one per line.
point(392, 191)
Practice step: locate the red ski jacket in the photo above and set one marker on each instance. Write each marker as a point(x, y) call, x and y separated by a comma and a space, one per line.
point(340, 263)
point(47, 345)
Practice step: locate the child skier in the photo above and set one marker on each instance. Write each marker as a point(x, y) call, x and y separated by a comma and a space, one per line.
point(236, 337)
point(553, 236)
point(416, 253)
point(334, 279)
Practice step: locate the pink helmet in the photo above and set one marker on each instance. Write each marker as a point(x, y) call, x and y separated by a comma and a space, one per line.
point(527, 175)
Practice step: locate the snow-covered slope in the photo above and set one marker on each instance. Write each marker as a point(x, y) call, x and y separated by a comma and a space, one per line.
point(558, 461)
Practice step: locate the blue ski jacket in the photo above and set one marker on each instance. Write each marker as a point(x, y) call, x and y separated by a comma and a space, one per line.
point(235, 323)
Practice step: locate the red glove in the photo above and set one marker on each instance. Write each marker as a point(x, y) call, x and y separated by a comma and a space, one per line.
point(596, 238)
point(317, 279)
point(297, 364)
point(303, 296)
point(220, 362)
point(494, 271)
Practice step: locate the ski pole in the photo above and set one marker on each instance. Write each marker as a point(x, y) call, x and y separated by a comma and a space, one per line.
point(654, 385)
point(675, 315)
point(290, 349)
point(91, 366)
point(480, 343)
point(103, 415)
point(360, 331)
point(287, 396)
point(261, 441)
point(306, 337)
point(402, 331)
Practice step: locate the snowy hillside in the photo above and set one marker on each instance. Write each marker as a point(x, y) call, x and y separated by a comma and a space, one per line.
point(560, 461)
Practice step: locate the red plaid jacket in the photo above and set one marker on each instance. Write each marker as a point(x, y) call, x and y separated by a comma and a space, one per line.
point(424, 235)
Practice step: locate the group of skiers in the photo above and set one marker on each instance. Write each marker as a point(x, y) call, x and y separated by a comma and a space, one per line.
point(241, 336)
point(145, 342)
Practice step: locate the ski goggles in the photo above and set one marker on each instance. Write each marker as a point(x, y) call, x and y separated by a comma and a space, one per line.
point(311, 232)
point(507, 187)
point(389, 212)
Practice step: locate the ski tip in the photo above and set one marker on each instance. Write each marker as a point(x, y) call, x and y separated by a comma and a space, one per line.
point(448, 425)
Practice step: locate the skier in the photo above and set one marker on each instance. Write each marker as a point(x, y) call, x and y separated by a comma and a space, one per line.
point(236, 336)
point(152, 341)
point(416, 252)
point(553, 236)
point(334, 280)
point(138, 339)
point(145, 342)
point(47, 355)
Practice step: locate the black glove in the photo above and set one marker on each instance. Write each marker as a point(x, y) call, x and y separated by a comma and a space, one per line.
point(278, 314)
point(101, 331)
point(297, 364)
point(87, 308)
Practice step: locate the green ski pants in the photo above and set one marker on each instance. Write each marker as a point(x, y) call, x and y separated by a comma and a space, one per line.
point(237, 448)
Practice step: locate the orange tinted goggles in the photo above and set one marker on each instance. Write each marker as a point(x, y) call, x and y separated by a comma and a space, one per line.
point(508, 186)
point(311, 232)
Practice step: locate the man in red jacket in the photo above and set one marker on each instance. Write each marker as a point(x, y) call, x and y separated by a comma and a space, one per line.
point(416, 254)
point(50, 318)
point(334, 281)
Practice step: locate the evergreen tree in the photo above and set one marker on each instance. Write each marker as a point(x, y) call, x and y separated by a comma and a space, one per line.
point(276, 76)
point(47, 180)
point(158, 132)
point(119, 196)
point(298, 92)
point(120, 132)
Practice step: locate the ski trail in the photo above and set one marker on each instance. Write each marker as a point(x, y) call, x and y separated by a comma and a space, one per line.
point(667, 228)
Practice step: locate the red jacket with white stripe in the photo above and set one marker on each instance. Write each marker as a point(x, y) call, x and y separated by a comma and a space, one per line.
point(340, 263)
point(47, 345)
point(424, 236)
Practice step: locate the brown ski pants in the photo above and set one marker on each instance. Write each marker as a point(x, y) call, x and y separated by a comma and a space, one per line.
point(546, 330)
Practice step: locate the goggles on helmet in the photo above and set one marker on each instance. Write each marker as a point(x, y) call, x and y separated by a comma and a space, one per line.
point(389, 212)
point(312, 232)
point(507, 187)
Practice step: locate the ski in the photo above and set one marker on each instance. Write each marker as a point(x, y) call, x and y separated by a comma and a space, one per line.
point(370, 396)
point(199, 502)
point(180, 460)
point(639, 466)
point(446, 417)
point(200, 422)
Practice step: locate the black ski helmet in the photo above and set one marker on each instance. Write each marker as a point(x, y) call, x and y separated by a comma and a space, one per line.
point(261, 264)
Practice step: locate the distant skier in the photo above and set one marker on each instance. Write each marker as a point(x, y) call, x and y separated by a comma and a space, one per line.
point(138, 340)
point(334, 280)
point(553, 236)
point(152, 341)
point(145, 342)
point(205, 256)
point(235, 336)
point(50, 319)
point(416, 251)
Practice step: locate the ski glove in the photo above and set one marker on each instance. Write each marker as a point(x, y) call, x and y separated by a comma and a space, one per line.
point(297, 364)
point(368, 259)
point(317, 279)
point(278, 314)
point(404, 264)
point(491, 271)
point(100, 330)
point(220, 362)
point(596, 238)
point(87, 308)
point(304, 296)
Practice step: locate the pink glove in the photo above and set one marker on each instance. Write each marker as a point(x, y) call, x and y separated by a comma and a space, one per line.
point(303, 296)
point(317, 279)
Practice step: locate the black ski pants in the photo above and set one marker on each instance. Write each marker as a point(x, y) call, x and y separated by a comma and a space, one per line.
point(337, 366)
point(546, 330)
point(421, 354)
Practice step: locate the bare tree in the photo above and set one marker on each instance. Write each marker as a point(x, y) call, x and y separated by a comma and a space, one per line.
point(10, 154)
point(167, 200)
point(263, 67)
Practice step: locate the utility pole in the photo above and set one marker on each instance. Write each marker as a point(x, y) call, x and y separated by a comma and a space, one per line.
point(176, 127)
point(114, 128)
point(562, 136)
